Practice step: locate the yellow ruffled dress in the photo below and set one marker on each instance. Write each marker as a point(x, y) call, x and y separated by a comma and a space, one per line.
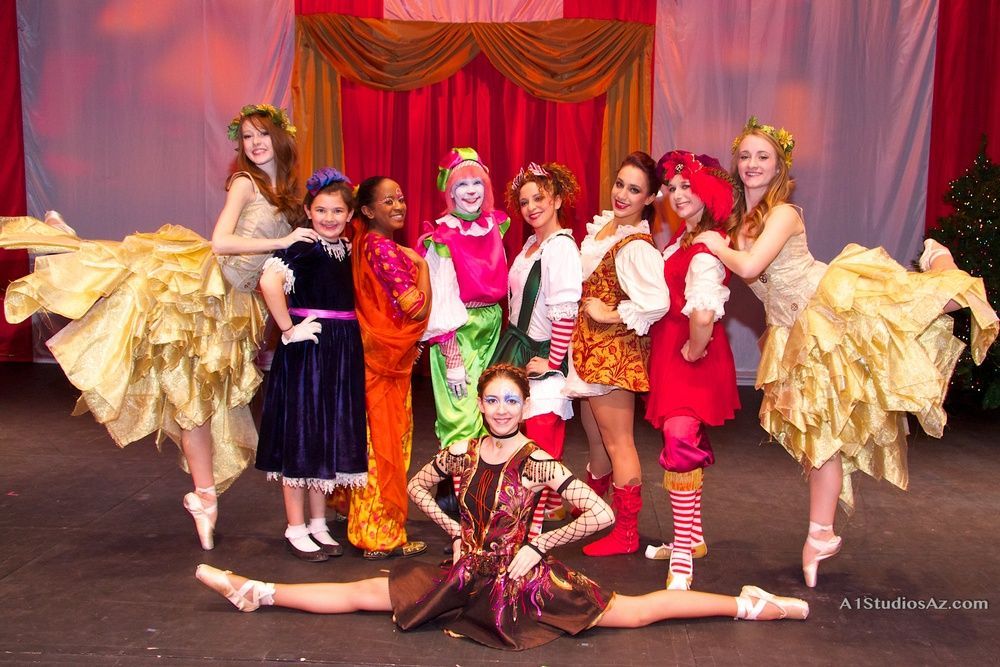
point(852, 347)
point(159, 341)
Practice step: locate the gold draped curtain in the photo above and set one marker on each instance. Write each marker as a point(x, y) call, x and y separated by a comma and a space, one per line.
point(566, 60)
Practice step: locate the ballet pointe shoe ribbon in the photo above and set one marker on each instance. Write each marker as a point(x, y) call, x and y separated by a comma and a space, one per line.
point(250, 596)
point(824, 549)
point(753, 600)
point(204, 516)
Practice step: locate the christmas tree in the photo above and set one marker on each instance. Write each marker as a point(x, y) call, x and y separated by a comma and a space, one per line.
point(972, 233)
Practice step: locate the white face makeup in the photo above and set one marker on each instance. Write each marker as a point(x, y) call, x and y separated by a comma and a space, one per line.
point(468, 194)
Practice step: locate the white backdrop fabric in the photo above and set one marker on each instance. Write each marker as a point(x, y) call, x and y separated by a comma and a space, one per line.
point(126, 105)
point(852, 80)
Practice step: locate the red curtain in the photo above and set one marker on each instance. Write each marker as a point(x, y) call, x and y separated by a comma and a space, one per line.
point(638, 11)
point(15, 340)
point(966, 95)
point(476, 107)
point(365, 9)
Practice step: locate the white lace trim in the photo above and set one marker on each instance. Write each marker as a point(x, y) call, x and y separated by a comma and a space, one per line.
point(338, 249)
point(289, 276)
point(562, 311)
point(712, 302)
point(358, 480)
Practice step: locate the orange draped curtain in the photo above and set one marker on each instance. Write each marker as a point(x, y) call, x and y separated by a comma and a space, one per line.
point(566, 60)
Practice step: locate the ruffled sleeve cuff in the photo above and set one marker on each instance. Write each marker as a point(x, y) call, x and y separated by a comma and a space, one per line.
point(288, 276)
point(640, 273)
point(704, 289)
point(637, 319)
point(562, 311)
point(448, 313)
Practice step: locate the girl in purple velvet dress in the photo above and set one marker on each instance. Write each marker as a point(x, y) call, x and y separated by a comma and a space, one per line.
point(312, 432)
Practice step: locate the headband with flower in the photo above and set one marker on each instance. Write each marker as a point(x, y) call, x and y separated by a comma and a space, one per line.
point(709, 181)
point(532, 168)
point(781, 136)
point(278, 117)
point(323, 177)
point(454, 159)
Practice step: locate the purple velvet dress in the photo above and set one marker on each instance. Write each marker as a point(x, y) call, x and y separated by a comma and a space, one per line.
point(475, 598)
point(312, 430)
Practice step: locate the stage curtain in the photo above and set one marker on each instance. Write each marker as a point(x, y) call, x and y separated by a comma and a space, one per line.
point(560, 61)
point(966, 95)
point(15, 339)
point(401, 134)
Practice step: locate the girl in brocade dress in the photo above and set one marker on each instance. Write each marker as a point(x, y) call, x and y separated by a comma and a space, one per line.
point(851, 347)
point(502, 589)
point(187, 320)
point(312, 431)
point(623, 295)
point(692, 375)
point(544, 294)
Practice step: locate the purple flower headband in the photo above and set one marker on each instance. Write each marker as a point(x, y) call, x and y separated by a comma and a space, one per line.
point(324, 177)
point(533, 168)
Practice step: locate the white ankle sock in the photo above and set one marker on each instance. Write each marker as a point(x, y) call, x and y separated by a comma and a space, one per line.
point(320, 532)
point(299, 537)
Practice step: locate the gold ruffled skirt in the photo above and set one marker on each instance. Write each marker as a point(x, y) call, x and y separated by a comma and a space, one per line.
point(871, 346)
point(159, 342)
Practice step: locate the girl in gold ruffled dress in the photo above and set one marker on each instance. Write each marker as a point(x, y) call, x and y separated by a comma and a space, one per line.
point(850, 347)
point(166, 325)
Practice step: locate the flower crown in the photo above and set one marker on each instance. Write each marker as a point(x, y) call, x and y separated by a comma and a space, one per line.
point(278, 117)
point(532, 168)
point(323, 177)
point(782, 137)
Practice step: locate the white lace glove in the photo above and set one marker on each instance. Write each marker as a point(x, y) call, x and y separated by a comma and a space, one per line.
point(307, 329)
point(458, 381)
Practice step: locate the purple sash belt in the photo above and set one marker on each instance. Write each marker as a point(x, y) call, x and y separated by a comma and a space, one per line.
point(323, 314)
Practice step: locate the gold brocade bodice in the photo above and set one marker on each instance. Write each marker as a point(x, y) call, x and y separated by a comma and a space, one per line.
point(788, 283)
point(258, 220)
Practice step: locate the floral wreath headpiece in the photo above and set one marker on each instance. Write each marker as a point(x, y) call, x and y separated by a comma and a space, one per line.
point(709, 181)
point(323, 177)
point(278, 117)
point(532, 168)
point(454, 159)
point(781, 136)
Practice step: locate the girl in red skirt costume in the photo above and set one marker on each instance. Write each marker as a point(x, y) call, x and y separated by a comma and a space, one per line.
point(692, 375)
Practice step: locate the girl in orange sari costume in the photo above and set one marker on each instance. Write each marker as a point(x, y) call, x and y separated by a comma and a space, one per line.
point(392, 298)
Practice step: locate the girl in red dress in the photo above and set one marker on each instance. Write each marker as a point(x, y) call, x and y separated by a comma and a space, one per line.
point(692, 375)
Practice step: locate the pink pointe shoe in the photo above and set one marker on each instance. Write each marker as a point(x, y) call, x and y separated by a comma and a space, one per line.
point(204, 516)
point(251, 595)
point(824, 549)
point(932, 251)
point(753, 600)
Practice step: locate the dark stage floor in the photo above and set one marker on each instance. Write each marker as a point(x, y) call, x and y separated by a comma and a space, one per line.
point(98, 557)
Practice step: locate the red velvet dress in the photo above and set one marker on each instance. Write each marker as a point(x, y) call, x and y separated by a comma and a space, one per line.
point(704, 389)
